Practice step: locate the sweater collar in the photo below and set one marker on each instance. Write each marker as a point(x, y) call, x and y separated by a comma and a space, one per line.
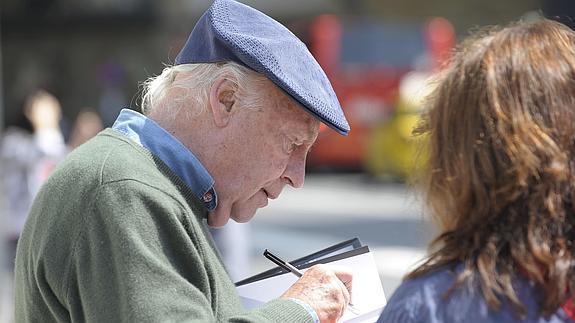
point(171, 151)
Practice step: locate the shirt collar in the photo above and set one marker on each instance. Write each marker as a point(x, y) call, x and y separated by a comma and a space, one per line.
point(171, 151)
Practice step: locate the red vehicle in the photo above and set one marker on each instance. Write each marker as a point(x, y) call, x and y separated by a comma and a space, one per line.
point(365, 62)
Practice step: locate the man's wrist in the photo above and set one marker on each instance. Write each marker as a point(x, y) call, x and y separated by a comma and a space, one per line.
point(308, 308)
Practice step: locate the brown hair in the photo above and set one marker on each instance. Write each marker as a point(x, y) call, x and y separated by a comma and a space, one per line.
point(500, 177)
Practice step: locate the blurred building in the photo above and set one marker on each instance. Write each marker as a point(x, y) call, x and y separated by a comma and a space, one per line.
point(65, 47)
point(94, 52)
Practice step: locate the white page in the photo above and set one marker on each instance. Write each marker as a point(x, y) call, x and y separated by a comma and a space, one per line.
point(368, 295)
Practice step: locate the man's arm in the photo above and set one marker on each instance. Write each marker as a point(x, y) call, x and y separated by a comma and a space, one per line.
point(139, 257)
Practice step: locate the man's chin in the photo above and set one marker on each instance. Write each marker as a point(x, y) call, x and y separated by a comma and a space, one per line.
point(220, 216)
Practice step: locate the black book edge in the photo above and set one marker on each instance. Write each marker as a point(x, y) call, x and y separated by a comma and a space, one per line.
point(312, 259)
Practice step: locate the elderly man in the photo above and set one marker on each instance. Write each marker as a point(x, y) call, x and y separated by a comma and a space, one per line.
point(118, 233)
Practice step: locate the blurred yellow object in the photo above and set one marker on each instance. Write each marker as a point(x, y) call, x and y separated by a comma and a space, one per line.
point(392, 150)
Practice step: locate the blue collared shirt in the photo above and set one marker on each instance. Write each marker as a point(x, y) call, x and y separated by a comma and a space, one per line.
point(171, 151)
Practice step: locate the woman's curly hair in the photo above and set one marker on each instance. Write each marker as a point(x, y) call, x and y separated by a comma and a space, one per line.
point(500, 178)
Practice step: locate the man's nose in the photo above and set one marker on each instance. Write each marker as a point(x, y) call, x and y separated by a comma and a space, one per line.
point(294, 173)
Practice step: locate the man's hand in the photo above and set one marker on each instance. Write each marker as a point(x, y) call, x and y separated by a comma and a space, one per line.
point(326, 289)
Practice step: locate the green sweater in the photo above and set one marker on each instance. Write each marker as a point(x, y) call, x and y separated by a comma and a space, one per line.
point(115, 236)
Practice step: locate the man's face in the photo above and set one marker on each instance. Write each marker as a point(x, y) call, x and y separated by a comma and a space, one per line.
point(267, 149)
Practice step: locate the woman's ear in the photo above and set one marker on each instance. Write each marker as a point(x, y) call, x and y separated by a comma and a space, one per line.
point(222, 95)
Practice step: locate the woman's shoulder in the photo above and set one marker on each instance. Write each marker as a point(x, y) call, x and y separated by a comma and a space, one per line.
point(425, 299)
point(412, 300)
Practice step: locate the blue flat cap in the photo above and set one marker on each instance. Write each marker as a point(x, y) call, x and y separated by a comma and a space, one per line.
point(232, 31)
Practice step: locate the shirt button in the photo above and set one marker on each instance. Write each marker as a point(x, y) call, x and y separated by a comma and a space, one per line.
point(208, 197)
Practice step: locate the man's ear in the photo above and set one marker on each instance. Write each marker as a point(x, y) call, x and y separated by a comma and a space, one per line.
point(222, 100)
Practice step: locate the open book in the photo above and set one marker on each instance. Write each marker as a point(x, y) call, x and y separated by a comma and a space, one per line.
point(367, 295)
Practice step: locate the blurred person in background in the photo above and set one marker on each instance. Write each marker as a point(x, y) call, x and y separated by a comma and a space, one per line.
point(29, 152)
point(88, 124)
point(500, 183)
point(119, 232)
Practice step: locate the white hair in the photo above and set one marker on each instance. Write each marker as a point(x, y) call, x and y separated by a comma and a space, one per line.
point(195, 85)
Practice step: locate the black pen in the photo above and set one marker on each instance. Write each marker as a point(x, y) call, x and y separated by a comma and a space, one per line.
point(287, 266)
point(284, 264)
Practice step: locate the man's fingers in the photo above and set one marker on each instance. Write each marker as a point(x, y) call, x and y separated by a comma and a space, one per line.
point(348, 285)
point(346, 277)
point(322, 287)
point(346, 294)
